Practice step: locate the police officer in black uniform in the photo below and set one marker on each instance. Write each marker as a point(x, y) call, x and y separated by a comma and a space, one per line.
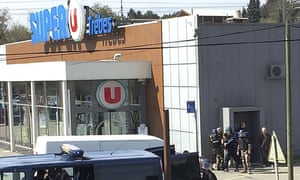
point(213, 142)
point(219, 149)
point(244, 150)
point(230, 149)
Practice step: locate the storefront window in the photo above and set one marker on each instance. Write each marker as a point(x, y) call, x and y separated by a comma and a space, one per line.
point(49, 108)
point(83, 94)
point(4, 128)
point(22, 124)
point(134, 92)
point(84, 123)
point(94, 117)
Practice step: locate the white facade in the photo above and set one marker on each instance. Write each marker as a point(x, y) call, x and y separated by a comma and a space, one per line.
point(180, 67)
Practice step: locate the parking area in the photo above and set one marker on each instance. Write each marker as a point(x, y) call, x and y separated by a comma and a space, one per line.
point(4, 150)
point(259, 173)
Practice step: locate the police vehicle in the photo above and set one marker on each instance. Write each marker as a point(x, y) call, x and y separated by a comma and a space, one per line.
point(72, 163)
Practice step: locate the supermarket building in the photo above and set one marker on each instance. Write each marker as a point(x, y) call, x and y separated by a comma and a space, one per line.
point(115, 82)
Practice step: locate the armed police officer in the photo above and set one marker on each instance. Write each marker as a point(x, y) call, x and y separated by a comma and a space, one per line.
point(244, 150)
point(230, 149)
point(217, 148)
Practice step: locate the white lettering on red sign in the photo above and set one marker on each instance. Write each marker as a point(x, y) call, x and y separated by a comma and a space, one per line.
point(111, 94)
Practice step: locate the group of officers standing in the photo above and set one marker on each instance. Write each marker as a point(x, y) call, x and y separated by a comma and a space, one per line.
point(229, 145)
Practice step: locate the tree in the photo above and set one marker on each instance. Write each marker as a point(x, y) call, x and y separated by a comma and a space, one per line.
point(131, 14)
point(150, 15)
point(271, 12)
point(166, 16)
point(253, 11)
point(14, 33)
point(18, 33)
point(105, 11)
point(139, 15)
point(244, 12)
point(4, 17)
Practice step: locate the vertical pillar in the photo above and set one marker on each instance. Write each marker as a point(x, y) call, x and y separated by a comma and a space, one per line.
point(33, 114)
point(66, 108)
point(197, 133)
point(288, 100)
point(10, 116)
point(166, 134)
point(46, 111)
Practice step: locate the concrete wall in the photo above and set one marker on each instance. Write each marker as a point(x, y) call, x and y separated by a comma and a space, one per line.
point(234, 65)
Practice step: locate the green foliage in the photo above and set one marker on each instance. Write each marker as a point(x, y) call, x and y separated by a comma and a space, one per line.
point(166, 16)
point(253, 11)
point(14, 33)
point(3, 25)
point(105, 11)
point(18, 33)
point(272, 11)
point(244, 12)
point(139, 15)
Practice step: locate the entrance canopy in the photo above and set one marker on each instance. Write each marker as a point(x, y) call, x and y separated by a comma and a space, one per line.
point(81, 70)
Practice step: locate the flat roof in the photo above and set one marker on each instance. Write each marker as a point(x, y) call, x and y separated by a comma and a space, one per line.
point(127, 137)
point(211, 12)
point(79, 70)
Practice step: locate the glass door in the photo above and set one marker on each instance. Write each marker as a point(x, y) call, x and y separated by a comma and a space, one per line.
point(111, 123)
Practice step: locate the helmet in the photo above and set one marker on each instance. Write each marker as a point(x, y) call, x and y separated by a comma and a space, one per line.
point(213, 131)
point(228, 129)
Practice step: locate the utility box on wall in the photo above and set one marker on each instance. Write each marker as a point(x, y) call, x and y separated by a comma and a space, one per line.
point(277, 71)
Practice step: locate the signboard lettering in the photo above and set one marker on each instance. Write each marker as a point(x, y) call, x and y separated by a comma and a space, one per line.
point(46, 24)
point(59, 23)
point(99, 25)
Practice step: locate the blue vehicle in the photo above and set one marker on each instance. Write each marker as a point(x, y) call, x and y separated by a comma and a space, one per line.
point(74, 164)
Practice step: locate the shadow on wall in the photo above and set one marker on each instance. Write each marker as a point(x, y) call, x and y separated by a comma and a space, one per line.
point(107, 40)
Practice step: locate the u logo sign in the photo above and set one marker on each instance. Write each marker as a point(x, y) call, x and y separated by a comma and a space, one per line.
point(73, 20)
point(77, 18)
point(111, 94)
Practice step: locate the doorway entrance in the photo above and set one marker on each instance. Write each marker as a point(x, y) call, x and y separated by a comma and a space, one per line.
point(253, 118)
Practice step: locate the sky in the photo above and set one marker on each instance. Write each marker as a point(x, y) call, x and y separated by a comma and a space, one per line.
point(19, 10)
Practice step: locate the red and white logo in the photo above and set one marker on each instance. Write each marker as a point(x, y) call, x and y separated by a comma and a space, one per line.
point(76, 17)
point(111, 94)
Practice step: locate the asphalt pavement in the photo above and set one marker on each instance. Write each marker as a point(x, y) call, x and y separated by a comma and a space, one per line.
point(5, 150)
point(259, 173)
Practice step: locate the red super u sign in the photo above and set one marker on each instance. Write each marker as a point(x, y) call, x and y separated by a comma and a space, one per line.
point(111, 94)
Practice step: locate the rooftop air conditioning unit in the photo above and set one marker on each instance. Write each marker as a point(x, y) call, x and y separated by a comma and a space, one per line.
point(277, 71)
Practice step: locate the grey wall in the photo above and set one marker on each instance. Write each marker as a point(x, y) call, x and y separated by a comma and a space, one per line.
point(234, 67)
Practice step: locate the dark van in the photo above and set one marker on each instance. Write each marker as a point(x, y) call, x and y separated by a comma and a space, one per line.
point(106, 165)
